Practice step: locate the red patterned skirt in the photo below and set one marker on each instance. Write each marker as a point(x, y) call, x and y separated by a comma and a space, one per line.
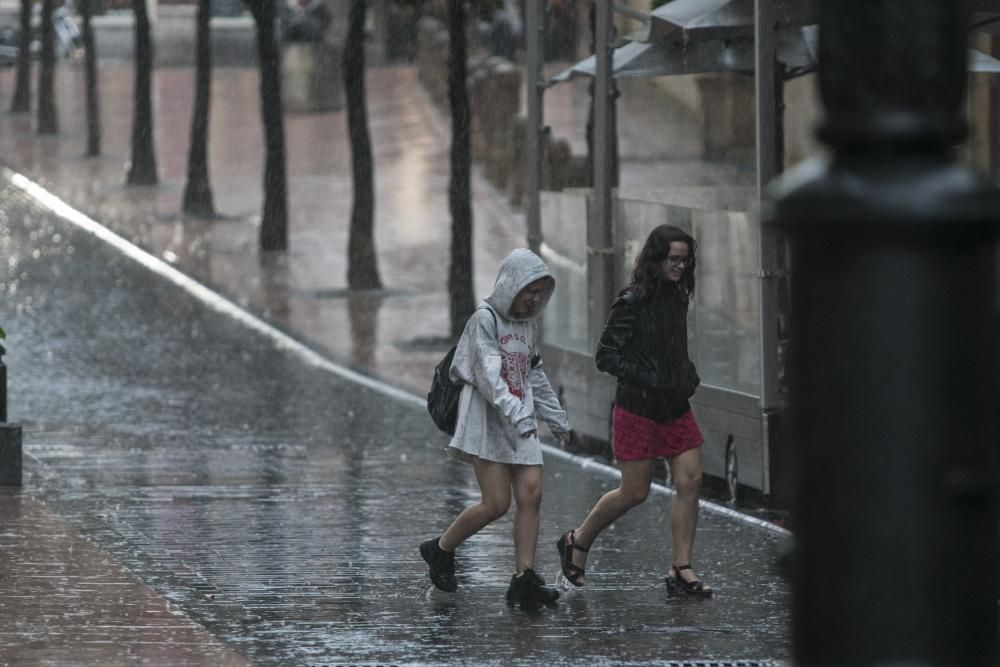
point(637, 438)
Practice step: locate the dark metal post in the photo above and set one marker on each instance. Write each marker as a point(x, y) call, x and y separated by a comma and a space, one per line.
point(534, 73)
point(10, 437)
point(769, 96)
point(601, 227)
point(3, 389)
point(893, 364)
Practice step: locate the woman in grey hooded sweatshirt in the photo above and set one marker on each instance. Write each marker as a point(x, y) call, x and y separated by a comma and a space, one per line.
point(497, 431)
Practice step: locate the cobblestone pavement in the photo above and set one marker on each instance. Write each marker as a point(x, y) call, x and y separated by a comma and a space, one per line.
point(65, 601)
point(278, 506)
point(249, 499)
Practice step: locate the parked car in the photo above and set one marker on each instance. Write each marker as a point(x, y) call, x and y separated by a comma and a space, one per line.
point(68, 40)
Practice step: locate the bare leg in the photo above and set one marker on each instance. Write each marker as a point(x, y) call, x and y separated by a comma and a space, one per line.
point(636, 479)
point(527, 483)
point(494, 485)
point(686, 469)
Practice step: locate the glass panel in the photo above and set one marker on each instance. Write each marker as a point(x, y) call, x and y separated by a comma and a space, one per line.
point(564, 230)
point(725, 326)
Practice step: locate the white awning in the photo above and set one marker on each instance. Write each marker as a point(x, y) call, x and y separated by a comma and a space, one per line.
point(798, 51)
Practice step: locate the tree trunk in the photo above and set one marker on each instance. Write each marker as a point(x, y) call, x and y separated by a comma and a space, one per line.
point(142, 170)
point(90, 69)
point(198, 192)
point(274, 223)
point(459, 191)
point(22, 90)
point(48, 121)
point(362, 261)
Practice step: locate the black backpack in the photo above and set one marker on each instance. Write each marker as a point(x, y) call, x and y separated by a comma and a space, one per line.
point(442, 400)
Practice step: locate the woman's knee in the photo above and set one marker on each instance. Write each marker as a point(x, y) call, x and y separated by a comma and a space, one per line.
point(495, 508)
point(634, 495)
point(530, 494)
point(688, 482)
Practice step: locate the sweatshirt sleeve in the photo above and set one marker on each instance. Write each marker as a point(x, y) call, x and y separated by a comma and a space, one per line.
point(486, 365)
point(546, 402)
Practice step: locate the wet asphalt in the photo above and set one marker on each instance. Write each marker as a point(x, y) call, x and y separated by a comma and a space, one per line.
point(278, 505)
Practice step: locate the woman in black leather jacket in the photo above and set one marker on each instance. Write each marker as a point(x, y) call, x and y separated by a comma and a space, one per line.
point(644, 345)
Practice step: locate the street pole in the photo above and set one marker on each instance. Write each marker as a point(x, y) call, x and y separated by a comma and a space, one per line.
point(769, 101)
point(10, 436)
point(893, 365)
point(534, 28)
point(600, 225)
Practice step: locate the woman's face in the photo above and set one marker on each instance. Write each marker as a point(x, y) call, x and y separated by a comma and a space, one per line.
point(529, 298)
point(676, 261)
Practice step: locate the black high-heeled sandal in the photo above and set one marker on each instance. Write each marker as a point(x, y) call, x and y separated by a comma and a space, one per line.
point(573, 572)
point(677, 586)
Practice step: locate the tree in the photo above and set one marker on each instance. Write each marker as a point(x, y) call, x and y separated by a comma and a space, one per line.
point(48, 121)
point(142, 169)
point(22, 90)
point(460, 286)
point(90, 67)
point(362, 261)
point(198, 192)
point(274, 223)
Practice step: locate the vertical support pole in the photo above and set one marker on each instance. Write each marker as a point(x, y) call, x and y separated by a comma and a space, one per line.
point(769, 103)
point(765, 45)
point(10, 437)
point(893, 365)
point(600, 221)
point(535, 26)
point(993, 124)
point(3, 389)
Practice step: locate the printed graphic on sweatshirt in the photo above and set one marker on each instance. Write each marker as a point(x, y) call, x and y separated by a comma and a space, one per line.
point(514, 362)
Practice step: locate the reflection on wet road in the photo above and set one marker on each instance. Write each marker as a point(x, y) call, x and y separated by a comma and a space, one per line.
point(280, 507)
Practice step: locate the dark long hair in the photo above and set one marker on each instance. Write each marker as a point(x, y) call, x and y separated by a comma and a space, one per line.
point(647, 276)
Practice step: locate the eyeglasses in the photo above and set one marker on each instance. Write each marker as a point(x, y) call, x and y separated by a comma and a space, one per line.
point(677, 260)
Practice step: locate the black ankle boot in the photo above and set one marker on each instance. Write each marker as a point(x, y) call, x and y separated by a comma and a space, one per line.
point(441, 563)
point(529, 587)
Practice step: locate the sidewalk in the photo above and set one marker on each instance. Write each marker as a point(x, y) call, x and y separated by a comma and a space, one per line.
point(304, 293)
point(65, 601)
point(269, 500)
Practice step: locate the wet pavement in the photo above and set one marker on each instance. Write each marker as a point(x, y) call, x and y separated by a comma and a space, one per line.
point(249, 499)
point(386, 332)
point(63, 601)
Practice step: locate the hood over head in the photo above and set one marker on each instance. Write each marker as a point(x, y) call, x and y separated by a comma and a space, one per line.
point(518, 270)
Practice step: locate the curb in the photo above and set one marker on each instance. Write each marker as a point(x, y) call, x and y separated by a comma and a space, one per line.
point(285, 342)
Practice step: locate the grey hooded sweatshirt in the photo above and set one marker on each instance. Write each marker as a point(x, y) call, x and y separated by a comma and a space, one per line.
point(503, 391)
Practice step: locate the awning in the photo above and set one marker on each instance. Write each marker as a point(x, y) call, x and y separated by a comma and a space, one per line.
point(798, 51)
point(983, 63)
point(985, 15)
point(637, 59)
point(718, 19)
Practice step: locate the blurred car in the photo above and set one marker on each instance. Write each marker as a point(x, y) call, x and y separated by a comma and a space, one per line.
point(68, 40)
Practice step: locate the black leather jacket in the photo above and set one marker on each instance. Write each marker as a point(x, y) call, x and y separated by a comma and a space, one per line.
point(644, 345)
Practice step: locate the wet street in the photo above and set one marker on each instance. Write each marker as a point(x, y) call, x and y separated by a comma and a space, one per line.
point(279, 506)
point(204, 486)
